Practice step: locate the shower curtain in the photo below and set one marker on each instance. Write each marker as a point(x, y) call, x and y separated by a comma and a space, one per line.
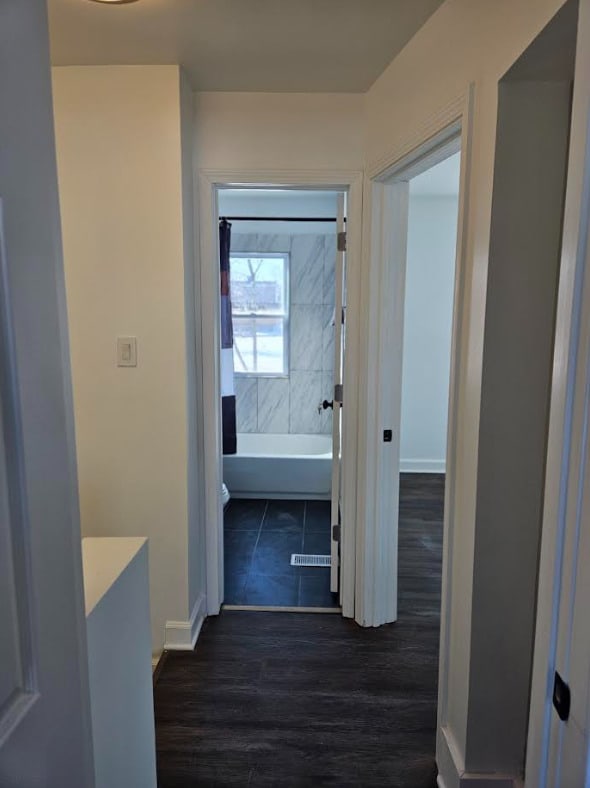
point(228, 398)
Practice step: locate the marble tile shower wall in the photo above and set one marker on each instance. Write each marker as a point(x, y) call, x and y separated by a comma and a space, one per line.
point(290, 405)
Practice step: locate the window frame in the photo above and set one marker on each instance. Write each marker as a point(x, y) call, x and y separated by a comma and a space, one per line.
point(285, 317)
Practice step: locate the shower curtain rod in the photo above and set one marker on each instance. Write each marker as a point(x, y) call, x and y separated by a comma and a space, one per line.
point(278, 218)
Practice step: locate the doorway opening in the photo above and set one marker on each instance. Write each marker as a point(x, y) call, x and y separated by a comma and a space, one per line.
point(281, 376)
point(428, 305)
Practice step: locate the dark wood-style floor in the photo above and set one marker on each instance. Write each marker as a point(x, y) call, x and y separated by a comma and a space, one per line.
point(293, 699)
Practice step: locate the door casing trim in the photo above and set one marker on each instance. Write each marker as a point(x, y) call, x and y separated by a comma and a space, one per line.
point(209, 182)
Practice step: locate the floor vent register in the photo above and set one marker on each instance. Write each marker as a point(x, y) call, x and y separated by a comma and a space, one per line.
point(299, 559)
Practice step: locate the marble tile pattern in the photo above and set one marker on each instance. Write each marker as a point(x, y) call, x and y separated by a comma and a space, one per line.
point(307, 270)
point(280, 405)
point(305, 395)
point(246, 404)
point(306, 335)
point(273, 405)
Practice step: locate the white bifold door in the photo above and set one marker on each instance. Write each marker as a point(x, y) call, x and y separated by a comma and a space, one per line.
point(339, 313)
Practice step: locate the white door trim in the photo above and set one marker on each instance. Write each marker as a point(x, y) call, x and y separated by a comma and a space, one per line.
point(209, 183)
point(339, 310)
point(427, 145)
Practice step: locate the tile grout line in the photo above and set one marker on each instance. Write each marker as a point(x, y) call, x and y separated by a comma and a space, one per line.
point(302, 550)
point(255, 546)
point(304, 525)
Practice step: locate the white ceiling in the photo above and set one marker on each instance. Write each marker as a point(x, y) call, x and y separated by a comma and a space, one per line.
point(243, 45)
point(442, 180)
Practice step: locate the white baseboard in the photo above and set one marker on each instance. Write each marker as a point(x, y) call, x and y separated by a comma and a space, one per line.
point(452, 773)
point(422, 466)
point(182, 635)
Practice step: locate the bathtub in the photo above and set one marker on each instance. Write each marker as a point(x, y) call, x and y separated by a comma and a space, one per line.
point(280, 466)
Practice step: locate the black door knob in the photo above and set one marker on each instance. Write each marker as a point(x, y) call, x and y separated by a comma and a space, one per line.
point(326, 404)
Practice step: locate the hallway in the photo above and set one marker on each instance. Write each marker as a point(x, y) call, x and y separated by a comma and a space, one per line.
point(288, 699)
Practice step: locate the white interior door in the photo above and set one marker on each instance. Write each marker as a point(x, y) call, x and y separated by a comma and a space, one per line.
point(41, 655)
point(568, 755)
point(45, 737)
point(337, 396)
point(568, 751)
point(558, 749)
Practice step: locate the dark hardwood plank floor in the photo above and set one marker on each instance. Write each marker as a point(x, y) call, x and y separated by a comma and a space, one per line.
point(293, 699)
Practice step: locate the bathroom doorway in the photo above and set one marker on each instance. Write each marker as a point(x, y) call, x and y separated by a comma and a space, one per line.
point(282, 377)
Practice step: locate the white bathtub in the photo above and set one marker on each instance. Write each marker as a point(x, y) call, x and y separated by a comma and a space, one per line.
point(280, 466)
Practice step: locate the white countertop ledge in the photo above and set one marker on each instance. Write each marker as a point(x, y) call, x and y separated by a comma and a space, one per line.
point(104, 558)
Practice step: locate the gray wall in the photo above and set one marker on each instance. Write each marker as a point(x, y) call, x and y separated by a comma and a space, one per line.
point(290, 405)
point(527, 209)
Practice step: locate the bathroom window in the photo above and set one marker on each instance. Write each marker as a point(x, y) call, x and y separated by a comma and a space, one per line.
point(260, 309)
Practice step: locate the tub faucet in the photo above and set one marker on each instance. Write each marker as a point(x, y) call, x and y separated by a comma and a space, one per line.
point(325, 405)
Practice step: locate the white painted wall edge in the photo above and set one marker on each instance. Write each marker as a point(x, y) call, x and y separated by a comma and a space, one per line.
point(452, 772)
point(182, 635)
point(422, 466)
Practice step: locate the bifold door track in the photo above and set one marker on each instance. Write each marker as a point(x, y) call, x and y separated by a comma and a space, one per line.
point(299, 559)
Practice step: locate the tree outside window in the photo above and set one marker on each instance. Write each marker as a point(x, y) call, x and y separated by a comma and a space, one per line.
point(259, 292)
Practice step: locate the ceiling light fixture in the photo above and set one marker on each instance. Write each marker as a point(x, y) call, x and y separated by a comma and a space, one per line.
point(115, 2)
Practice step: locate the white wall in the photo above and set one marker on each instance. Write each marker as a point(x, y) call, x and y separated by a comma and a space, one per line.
point(463, 42)
point(428, 316)
point(120, 177)
point(284, 131)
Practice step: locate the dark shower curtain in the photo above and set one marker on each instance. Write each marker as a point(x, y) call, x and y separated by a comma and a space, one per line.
point(228, 399)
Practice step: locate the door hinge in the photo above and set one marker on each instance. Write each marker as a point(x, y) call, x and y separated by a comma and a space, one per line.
point(342, 241)
point(336, 531)
point(339, 393)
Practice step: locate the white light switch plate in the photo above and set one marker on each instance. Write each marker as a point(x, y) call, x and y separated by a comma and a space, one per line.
point(126, 352)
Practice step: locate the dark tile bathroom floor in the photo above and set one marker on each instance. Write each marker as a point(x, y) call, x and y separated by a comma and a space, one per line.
point(260, 536)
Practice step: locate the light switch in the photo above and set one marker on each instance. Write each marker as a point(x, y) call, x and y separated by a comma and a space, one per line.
point(126, 352)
